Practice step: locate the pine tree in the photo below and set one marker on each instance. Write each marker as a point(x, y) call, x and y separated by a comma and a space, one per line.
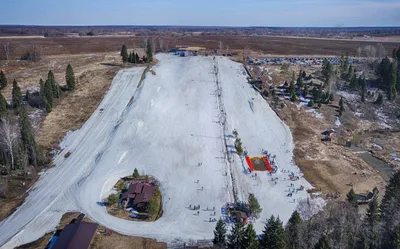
point(130, 58)
point(293, 231)
point(54, 85)
point(351, 198)
point(134, 57)
point(144, 59)
point(363, 89)
point(235, 238)
point(250, 240)
point(16, 95)
point(341, 105)
point(70, 78)
point(392, 91)
point(3, 80)
point(395, 242)
point(394, 54)
point(384, 71)
point(323, 243)
point(390, 211)
point(48, 96)
point(350, 73)
point(274, 236)
point(299, 82)
point(137, 58)
point(306, 91)
point(371, 223)
point(219, 240)
point(292, 88)
point(124, 54)
point(3, 106)
point(149, 51)
point(254, 205)
point(28, 137)
point(398, 54)
point(353, 82)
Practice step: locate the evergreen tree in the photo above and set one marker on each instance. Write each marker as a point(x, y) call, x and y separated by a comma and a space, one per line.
point(323, 243)
point(379, 100)
point(350, 73)
point(310, 103)
point(137, 58)
point(292, 88)
point(293, 98)
point(16, 95)
point(219, 240)
point(384, 71)
point(130, 58)
point(3, 106)
point(70, 78)
point(371, 223)
point(396, 238)
point(134, 57)
point(3, 80)
point(235, 238)
point(327, 70)
point(124, 53)
point(250, 240)
point(353, 82)
point(144, 59)
point(341, 104)
point(394, 54)
point(306, 91)
point(398, 54)
point(303, 75)
point(28, 137)
point(54, 85)
point(392, 91)
point(48, 96)
point(300, 82)
point(254, 205)
point(390, 211)
point(274, 236)
point(293, 231)
point(149, 51)
point(351, 198)
point(27, 95)
point(363, 89)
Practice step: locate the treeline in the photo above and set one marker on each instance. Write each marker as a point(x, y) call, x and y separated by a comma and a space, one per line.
point(134, 58)
point(339, 225)
point(18, 147)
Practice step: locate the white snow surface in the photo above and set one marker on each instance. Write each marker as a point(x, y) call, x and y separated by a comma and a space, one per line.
point(315, 114)
point(171, 125)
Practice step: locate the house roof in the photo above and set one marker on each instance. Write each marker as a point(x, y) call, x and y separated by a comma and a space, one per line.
point(76, 236)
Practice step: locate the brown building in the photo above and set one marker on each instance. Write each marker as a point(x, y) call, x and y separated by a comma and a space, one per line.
point(138, 195)
point(76, 235)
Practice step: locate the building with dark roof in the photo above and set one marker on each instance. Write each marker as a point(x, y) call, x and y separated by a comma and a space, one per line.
point(76, 235)
point(138, 195)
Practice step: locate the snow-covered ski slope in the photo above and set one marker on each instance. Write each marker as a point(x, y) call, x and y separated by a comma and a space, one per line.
point(165, 128)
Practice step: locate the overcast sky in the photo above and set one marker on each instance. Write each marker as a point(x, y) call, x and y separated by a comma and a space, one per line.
point(316, 13)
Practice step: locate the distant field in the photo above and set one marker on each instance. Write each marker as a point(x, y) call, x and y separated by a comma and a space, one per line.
point(264, 44)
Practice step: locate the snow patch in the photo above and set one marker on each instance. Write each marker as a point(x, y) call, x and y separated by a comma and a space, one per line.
point(315, 114)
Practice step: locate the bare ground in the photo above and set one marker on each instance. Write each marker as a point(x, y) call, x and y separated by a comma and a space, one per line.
point(330, 166)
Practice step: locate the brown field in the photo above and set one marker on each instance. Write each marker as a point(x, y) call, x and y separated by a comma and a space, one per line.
point(263, 44)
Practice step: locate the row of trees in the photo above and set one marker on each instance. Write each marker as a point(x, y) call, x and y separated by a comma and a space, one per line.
point(134, 58)
point(18, 146)
point(339, 225)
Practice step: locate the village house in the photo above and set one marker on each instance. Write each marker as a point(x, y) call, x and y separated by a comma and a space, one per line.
point(138, 195)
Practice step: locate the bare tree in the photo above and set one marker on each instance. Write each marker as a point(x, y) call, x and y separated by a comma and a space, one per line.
point(381, 51)
point(7, 49)
point(161, 43)
point(370, 52)
point(221, 47)
point(9, 135)
point(359, 52)
point(308, 207)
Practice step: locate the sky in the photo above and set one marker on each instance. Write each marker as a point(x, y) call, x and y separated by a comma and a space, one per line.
point(279, 13)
